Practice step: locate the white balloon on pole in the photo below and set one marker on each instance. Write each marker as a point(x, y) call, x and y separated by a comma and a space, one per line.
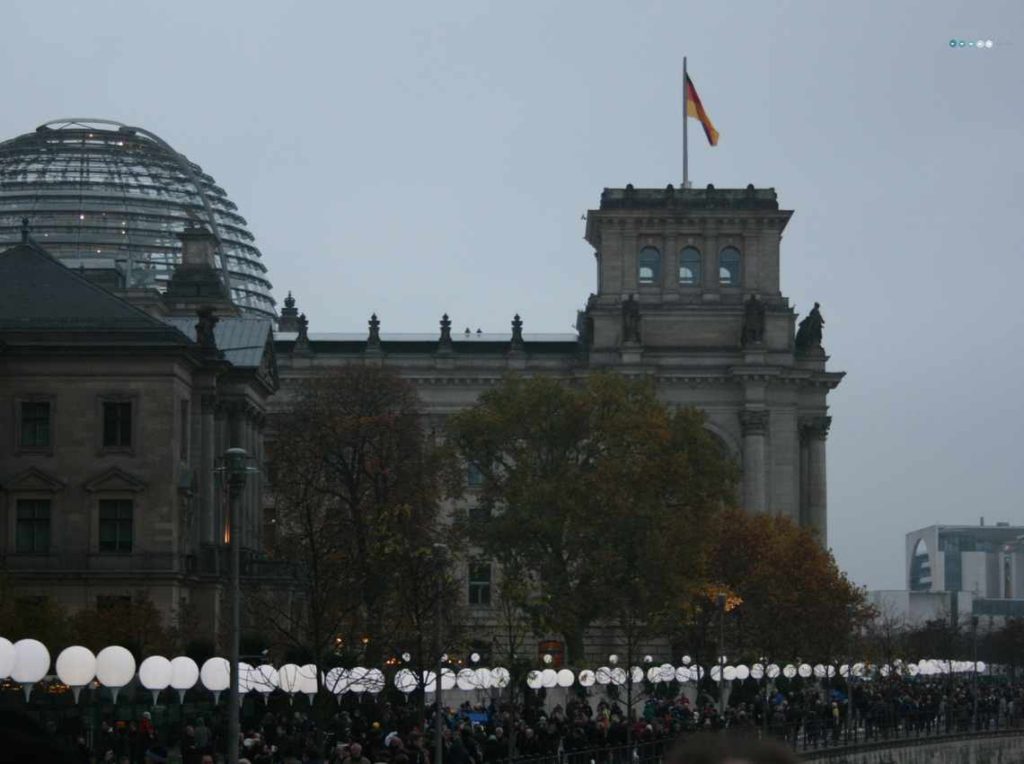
point(115, 667)
point(819, 671)
point(618, 676)
point(375, 681)
point(790, 671)
point(447, 679)
point(638, 674)
point(265, 680)
point(31, 663)
point(215, 675)
point(357, 680)
point(430, 681)
point(716, 673)
point(184, 675)
point(729, 672)
point(757, 671)
point(587, 678)
point(549, 678)
point(484, 679)
point(288, 678)
point(76, 667)
point(667, 673)
point(742, 673)
point(805, 670)
point(603, 675)
point(565, 678)
point(336, 681)
point(466, 679)
point(501, 677)
point(654, 674)
point(6, 658)
point(405, 681)
point(533, 680)
point(245, 683)
point(772, 671)
point(155, 674)
point(307, 681)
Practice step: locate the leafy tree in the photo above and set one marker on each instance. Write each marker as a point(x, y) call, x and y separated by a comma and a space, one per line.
point(593, 489)
point(25, 617)
point(134, 623)
point(357, 484)
point(795, 600)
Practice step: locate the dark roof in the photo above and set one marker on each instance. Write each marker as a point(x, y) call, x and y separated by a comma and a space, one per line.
point(38, 293)
point(709, 198)
point(242, 340)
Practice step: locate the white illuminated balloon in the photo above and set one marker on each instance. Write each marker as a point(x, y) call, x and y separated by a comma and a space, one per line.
point(772, 671)
point(357, 680)
point(375, 681)
point(155, 674)
point(805, 670)
point(729, 672)
point(637, 674)
point(819, 671)
point(618, 676)
point(447, 679)
point(501, 677)
point(430, 681)
point(654, 674)
point(115, 667)
point(184, 675)
point(405, 681)
point(757, 671)
point(307, 681)
point(565, 678)
point(336, 681)
point(466, 679)
point(687, 660)
point(742, 673)
point(534, 681)
point(265, 680)
point(215, 675)
point(245, 683)
point(790, 671)
point(484, 679)
point(6, 658)
point(716, 673)
point(31, 663)
point(667, 673)
point(288, 678)
point(587, 678)
point(76, 667)
point(603, 675)
point(549, 678)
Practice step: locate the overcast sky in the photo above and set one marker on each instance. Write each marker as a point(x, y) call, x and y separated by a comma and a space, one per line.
point(412, 158)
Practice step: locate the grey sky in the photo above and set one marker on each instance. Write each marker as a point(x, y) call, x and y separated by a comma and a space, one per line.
point(412, 158)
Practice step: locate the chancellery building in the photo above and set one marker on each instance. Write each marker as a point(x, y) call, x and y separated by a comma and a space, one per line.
point(687, 292)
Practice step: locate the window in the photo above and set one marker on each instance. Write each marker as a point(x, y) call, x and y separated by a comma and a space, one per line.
point(689, 267)
point(33, 526)
point(729, 267)
point(649, 265)
point(184, 427)
point(480, 583)
point(115, 525)
point(117, 424)
point(35, 424)
point(474, 477)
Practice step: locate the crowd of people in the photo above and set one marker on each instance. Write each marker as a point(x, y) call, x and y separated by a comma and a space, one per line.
point(578, 731)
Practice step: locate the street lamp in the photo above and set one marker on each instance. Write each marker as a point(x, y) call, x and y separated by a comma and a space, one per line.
point(236, 467)
point(721, 601)
point(974, 672)
point(441, 558)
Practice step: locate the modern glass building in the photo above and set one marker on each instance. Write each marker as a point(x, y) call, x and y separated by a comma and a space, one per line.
point(112, 199)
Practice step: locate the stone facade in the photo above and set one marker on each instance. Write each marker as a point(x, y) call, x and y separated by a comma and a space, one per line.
point(112, 419)
point(687, 292)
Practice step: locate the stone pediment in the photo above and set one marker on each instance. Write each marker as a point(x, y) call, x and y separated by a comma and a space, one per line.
point(34, 479)
point(114, 479)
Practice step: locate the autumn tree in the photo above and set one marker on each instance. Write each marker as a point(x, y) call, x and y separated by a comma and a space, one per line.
point(793, 601)
point(593, 489)
point(357, 483)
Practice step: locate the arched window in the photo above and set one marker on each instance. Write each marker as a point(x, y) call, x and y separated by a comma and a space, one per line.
point(920, 568)
point(649, 265)
point(689, 267)
point(729, 267)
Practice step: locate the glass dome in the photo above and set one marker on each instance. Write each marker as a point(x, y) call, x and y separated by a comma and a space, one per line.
point(101, 195)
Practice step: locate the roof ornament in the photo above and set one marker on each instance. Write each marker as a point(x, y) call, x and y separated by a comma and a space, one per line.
point(373, 340)
point(289, 301)
point(289, 318)
point(517, 333)
point(24, 230)
point(301, 346)
point(205, 331)
point(445, 343)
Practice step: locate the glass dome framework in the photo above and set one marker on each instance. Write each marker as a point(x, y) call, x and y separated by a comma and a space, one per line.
point(99, 194)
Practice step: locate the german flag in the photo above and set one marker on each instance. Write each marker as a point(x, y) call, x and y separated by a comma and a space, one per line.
point(695, 109)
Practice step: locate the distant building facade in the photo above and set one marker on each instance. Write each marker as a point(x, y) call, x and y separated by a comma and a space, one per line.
point(960, 571)
point(688, 292)
point(112, 420)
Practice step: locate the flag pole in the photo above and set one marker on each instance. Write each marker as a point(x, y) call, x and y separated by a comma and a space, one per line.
point(686, 172)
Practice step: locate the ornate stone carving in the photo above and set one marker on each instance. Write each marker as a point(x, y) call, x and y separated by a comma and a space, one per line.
point(301, 346)
point(205, 331)
point(373, 340)
point(754, 421)
point(814, 427)
point(808, 335)
point(753, 322)
point(445, 342)
point(631, 320)
point(517, 334)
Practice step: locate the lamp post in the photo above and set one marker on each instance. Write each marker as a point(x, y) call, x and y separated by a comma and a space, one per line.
point(721, 600)
point(974, 671)
point(237, 470)
point(441, 557)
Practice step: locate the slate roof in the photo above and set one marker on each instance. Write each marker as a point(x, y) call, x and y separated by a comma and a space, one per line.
point(38, 293)
point(242, 340)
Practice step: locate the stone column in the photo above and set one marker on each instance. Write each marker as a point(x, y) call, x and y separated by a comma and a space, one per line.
point(205, 462)
point(813, 432)
point(754, 423)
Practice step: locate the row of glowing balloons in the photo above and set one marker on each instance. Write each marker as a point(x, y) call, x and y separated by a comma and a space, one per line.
point(28, 662)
